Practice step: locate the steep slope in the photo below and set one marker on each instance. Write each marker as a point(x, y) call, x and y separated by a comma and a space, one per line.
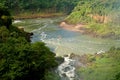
point(20, 59)
point(100, 66)
point(101, 17)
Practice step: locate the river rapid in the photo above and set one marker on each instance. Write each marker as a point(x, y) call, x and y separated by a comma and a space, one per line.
point(64, 42)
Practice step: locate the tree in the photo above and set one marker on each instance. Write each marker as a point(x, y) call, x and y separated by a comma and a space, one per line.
point(24, 61)
point(5, 17)
point(18, 6)
point(20, 59)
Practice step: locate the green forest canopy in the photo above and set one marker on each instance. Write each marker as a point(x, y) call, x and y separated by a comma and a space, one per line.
point(100, 7)
point(20, 59)
point(40, 5)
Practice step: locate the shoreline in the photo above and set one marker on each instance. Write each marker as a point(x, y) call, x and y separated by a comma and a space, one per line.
point(71, 27)
point(37, 15)
point(82, 28)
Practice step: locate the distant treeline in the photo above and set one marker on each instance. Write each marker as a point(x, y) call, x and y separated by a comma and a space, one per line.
point(40, 5)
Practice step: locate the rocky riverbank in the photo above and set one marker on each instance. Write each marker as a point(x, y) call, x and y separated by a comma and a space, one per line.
point(85, 29)
point(82, 28)
point(78, 27)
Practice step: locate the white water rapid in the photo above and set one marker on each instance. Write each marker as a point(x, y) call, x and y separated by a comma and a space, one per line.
point(64, 42)
point(17, 21)
point(67, 69)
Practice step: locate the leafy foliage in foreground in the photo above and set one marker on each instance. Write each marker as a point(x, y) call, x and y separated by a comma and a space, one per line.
point(20, 59)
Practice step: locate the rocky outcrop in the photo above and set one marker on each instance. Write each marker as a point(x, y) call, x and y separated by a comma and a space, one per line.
point(78, 27)
point(100, 18)
point(27, 34)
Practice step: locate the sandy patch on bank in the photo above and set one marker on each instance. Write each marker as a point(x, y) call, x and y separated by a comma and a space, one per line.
point(78, 27)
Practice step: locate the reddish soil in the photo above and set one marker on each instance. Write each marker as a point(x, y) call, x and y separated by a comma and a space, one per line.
point(78, 27)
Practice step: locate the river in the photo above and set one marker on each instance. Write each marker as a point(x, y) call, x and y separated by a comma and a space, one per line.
point(62, 41)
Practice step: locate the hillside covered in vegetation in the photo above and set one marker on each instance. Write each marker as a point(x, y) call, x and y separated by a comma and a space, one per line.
point(20, 59)
point(104, 66)
point(101, 17)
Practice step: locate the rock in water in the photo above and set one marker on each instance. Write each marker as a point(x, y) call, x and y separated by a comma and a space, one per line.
point(67, 70)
